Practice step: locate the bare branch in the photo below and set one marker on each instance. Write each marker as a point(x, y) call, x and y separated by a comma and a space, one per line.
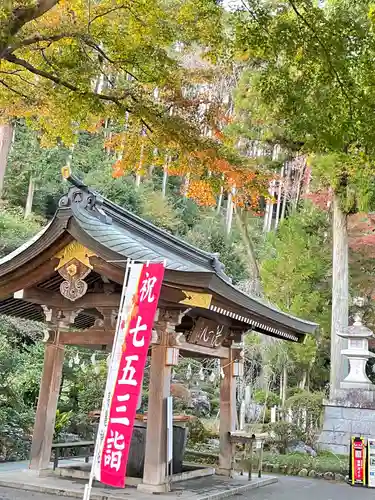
point(59, 81)
point(17, 74)
point(13, 90)
point(38, 39)
point(107, 58)
point(20, 16)
point(21, 62)
point(103, 14)
point(47, 60)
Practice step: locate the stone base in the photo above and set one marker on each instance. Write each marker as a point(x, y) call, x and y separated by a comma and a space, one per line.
point(342, 420)
point(367, 389)
point(154, 488)
point(225, 472)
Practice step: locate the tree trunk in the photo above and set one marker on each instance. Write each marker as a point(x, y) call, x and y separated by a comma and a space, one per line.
point(164, 185)
point(6, 135)
point(138, 174)
point(186, 185)
point(220, 200)
point(340, 298)
point(250, 250)
point(286, 183)
point(285, 385)
point(302, 383)
point(267, 224)
point(270, 213)
point(300, 177)
point(278, 207)
point(30, 197)
point(230, 207)
point(165, 177)
point(266, 215)
point(152, 166)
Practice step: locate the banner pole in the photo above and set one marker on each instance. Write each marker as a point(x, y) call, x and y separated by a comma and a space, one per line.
point(88, 487)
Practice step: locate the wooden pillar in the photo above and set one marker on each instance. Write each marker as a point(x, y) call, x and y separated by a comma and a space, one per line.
point(155, 468)
point(227, 416)
point(47, 405)
point(154, 475)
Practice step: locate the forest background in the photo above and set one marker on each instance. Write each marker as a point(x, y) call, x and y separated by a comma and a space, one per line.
point(194, 155)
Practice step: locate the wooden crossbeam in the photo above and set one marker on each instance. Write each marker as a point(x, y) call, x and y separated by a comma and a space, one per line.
point(87, 337)
point(54, 299)
point(100, 337)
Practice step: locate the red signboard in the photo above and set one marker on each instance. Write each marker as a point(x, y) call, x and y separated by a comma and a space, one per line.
point(126, 372)
point(358, 450)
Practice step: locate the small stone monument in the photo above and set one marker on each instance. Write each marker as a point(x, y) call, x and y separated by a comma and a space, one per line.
point(352, 413)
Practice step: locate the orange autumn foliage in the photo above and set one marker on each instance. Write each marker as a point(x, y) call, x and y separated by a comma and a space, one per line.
point(201, 192)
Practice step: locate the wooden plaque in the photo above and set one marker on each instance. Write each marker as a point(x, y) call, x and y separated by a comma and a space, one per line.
point(208, 333)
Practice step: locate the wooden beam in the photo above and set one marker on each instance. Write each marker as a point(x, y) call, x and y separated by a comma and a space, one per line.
point(93, 336)
point(227, 416)
point(88, 337)
point(107, 269)
point(30, 278)
point(47, 405)
point(219, 352)
point(33, 265)
point(154, 474)
point(54, 299)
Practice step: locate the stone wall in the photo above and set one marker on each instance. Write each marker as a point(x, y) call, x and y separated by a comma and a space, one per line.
point(343, 422)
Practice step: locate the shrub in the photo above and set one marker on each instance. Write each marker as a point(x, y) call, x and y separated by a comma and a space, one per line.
point(15, 433)
point(265, 397)
point(293, 391)
point(307, 411)
point(294, 462)
point(215, 406)
point(62, 423)
point(282, 435)
point(14, 443)
point(197, 432)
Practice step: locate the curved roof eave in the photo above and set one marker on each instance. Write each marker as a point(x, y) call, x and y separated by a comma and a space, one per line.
point(25, 246)
point(257, 306)
point(47, 237)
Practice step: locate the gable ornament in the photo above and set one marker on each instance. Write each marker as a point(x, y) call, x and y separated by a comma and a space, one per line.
point(74, 265)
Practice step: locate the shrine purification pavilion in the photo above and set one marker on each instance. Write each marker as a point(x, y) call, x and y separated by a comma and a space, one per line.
point(70, 277)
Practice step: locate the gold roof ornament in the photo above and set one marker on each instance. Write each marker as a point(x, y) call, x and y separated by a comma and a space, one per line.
point(196, 299)
point(66, 172)
point(74, 251)
point(74, 265)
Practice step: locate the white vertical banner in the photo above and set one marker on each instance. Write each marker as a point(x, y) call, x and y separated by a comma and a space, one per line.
point(169, 429)
point(132, 276)
point(141, 291)
point(108, 392)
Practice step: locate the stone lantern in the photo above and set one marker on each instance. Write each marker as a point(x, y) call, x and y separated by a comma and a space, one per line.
point(352, 412)
point(358, 354)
